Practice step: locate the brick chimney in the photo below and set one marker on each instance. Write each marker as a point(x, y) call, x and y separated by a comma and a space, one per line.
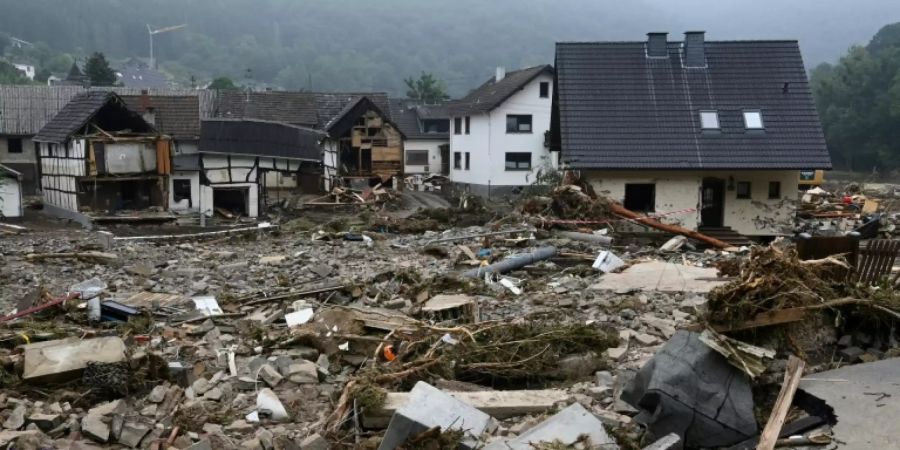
point(695, 49)
point(658, 45)
point(147, 110)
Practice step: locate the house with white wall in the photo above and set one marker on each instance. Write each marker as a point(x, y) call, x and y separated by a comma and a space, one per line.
point(714, 130)
point(426, 147)
point(10, 192)
point(498, 131)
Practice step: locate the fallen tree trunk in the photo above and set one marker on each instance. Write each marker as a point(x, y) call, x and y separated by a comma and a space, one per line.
point(620, 210)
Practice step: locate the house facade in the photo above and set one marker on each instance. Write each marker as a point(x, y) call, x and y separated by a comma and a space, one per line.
point(713, 133)
point(98, 157)
point(498, 132)
point(426, 149)
point(10, 192)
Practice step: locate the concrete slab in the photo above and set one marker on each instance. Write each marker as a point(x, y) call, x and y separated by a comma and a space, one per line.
point(866, 403)
point(660, 276)
point(498, 404)
point(429, 407)
point(566, 427)
point(65, 358)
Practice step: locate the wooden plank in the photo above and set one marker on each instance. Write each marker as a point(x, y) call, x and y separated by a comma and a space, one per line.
point(766, 319)
point(499, 404)
point(792, 377)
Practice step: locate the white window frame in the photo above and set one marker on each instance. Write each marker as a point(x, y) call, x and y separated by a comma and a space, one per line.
point(709, 113)
point(761, 124)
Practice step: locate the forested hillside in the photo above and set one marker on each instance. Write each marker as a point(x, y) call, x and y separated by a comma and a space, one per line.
point(363, 44)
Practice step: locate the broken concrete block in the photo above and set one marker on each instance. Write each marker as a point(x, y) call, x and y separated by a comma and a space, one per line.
point(133, 433)
point(45, 422)
point(314, 442)
point(430, 407)
point(158, 394)
point(579, 366)
point(64, 359)
point(105, 409)
point(851, 354)
point(16, 419)
point(616, 353)
point(200, 445)
point(270, 375)
point(93, 427)
point(646, 339)
point(200, 386)
point(670, 441)
point(565, 427)
point(303, 372)
point(275, 260)
point(214, 394)
point(457, 307)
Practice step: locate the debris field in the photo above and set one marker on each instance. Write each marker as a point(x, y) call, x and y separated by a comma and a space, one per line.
point(463, 327)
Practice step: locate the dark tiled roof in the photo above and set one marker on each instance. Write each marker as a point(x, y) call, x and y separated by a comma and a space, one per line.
point(618, 109)
point(332, 106)
point(297, 108)
point(408, 116)
point(73, 116)
point(260, 138)
point(176, 116)
point(492, 93)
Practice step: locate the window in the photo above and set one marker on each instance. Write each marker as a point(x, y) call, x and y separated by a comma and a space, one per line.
point(14, 145)
point(468, 124)
point(743, 189)
point(753, 120)
point(436, 125)
point(181, 190)
point(640, 197)
point(457, 125)
point(545, 89)
point(417, 157)
point(468, 160)
point(457, 160)
point(774, 189)
point(807, 175)
point(518, 123)
point(518, 161)
point(709, 120)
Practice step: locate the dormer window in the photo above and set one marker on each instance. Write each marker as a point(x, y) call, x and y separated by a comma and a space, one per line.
point(709, 120)
point(753, 119)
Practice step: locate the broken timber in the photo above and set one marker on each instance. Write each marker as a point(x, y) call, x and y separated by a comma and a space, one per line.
point(620, 210)
point(84, 256)
point(783, 404)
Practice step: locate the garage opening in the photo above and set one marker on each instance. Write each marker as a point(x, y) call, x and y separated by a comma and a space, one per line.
point(181, 191)
point(640, 197)
point(233, 200)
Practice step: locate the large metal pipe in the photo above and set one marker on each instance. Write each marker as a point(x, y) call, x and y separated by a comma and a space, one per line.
point(516, 262)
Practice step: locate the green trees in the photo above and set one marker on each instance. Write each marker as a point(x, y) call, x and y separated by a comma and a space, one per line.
point(98, 71)
point(859, 104)
point(223, 84)
point(426, 89)
point(10, 75)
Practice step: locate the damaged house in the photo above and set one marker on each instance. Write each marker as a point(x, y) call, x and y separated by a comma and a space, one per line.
point(716, 131)
point(363, 144)
point(98, 157)
point(426, 149)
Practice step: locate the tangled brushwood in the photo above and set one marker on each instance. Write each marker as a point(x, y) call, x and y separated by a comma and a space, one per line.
point(775, 278)
point(567, 203)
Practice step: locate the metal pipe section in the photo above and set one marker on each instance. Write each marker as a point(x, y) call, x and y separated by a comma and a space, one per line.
point(516, 262)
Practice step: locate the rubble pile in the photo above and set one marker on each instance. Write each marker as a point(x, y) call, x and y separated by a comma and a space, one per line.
point(477, 332)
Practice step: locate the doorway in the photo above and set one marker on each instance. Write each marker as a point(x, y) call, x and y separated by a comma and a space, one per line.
point(712, 203)
point(445, 159)
point(233, 200)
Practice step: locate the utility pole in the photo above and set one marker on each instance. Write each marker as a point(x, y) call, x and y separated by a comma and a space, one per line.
point(151, 32)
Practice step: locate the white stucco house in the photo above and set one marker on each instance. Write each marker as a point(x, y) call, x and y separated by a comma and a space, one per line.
point(713, 133)
point(498, 132)
point(426, 143)
point(10, 192)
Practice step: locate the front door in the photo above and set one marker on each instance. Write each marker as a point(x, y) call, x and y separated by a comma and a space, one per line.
point(445, 159)
point(712, 203)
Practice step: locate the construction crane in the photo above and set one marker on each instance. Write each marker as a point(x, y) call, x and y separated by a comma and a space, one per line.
point(151, 32)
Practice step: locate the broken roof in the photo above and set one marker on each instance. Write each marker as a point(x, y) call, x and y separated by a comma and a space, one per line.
point(176, 116)
point(617, 108)
point(408, 116)
point(493, 93)
point(79, 112)
point(260, 138)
